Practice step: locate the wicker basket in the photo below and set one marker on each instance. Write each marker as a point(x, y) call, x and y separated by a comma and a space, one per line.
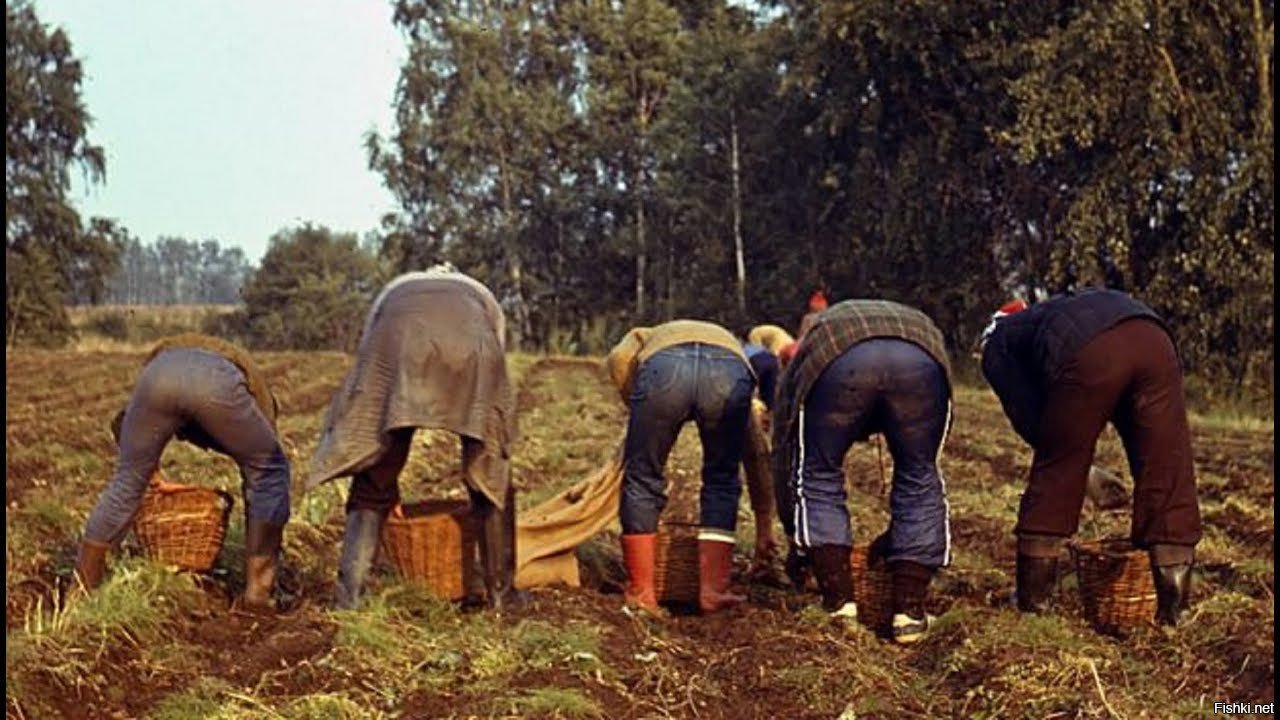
point(1116, 587)
point(432, 545)
point(184, 526)
point(872, 589)
point(676, 563)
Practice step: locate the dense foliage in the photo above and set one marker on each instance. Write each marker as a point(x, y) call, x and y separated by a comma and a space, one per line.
point(603, 163)
point(50, 254)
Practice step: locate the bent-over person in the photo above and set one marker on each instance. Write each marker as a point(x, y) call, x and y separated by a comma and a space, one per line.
point(1063, 369)
point(670, 374)
point(865, 367)
point(210, 393)
point(431, 355)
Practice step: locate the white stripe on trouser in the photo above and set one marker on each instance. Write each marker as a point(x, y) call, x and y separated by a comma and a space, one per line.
point(946, 506)
point(801, 509)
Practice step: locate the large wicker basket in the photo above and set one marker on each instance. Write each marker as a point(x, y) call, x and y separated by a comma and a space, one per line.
point(432, 545)
point(1116, 587)
point(872, 589)
point(183, 526)
point(676, 563)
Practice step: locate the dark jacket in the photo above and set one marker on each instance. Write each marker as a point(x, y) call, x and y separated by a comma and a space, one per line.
point(1026, 352)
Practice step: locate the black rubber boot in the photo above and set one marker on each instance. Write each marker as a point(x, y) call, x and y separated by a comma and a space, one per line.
point(498, 550)
point(798, 567)
point(1037, 579)
point(1173, 592)
point(359, 545)
point(831, 567)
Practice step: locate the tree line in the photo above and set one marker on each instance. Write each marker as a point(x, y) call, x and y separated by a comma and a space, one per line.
point(176, 271)
point(602, 164)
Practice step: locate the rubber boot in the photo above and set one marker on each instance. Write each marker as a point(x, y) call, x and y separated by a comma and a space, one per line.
point(1037, 578)
point(498, 551)
point(1173, 592)
point(715, 565)
point(91, 565)
point(639, 554)
point(262, 552)
point(359, 544)
point(831, 567)
point(910, 589)
point(799, 567)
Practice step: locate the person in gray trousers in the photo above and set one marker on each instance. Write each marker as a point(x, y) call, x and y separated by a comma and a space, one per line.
point(206, 392)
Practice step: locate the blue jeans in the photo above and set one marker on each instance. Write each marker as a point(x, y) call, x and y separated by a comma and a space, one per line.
point(197, 392)
point(887, 386)
point(711, 386)
point(765, 365)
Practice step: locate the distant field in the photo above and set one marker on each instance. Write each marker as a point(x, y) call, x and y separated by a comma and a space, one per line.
point(129, 327)
point(152, 644)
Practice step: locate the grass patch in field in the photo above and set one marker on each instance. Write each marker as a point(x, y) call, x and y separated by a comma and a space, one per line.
point(133, 608)
point(328, 706)
point(552, 702)
point(543, 645)
point(204, 700)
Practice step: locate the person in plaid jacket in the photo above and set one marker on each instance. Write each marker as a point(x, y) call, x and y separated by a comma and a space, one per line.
point(865, 367)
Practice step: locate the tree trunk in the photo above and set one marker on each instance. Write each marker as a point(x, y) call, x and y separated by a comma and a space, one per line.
point(736, 167)
point(519, 328)
point(641, 255)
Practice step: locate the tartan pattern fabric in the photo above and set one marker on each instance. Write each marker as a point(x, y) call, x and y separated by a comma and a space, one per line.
point(832, 332)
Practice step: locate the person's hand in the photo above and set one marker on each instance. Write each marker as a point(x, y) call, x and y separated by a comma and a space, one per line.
point(878, 552)
point(397, 512)
point(766, 548)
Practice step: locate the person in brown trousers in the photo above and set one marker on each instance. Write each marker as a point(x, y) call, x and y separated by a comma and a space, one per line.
point(209, 393)
point(1063, 369)
point(431, 355)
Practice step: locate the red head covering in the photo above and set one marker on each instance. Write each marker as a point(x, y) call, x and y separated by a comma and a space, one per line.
point(817, 301)
point(1011, 307)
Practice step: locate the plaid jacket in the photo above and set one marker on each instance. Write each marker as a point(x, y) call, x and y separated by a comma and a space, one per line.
point(833, 331)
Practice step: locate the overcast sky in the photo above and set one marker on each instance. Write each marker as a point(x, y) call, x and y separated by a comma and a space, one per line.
point(230, 120)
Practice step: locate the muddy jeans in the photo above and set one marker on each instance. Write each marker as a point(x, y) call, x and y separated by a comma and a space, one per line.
point(184, 387)
point(711, 386)
point(888, 386)
point(1130, 376)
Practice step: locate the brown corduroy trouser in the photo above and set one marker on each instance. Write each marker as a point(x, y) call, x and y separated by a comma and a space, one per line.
point(1129, 375)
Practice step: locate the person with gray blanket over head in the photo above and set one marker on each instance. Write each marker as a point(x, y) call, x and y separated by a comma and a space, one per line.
point(431, 355)
point(210, 393)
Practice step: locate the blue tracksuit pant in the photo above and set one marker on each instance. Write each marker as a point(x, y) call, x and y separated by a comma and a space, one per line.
point(888, 386)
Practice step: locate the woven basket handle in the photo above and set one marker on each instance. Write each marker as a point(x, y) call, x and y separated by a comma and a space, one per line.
point(159, 483)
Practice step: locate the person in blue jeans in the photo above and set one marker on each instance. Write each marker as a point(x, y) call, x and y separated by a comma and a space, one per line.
point(681, 371)
point(865, 367)
point(765, 366)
